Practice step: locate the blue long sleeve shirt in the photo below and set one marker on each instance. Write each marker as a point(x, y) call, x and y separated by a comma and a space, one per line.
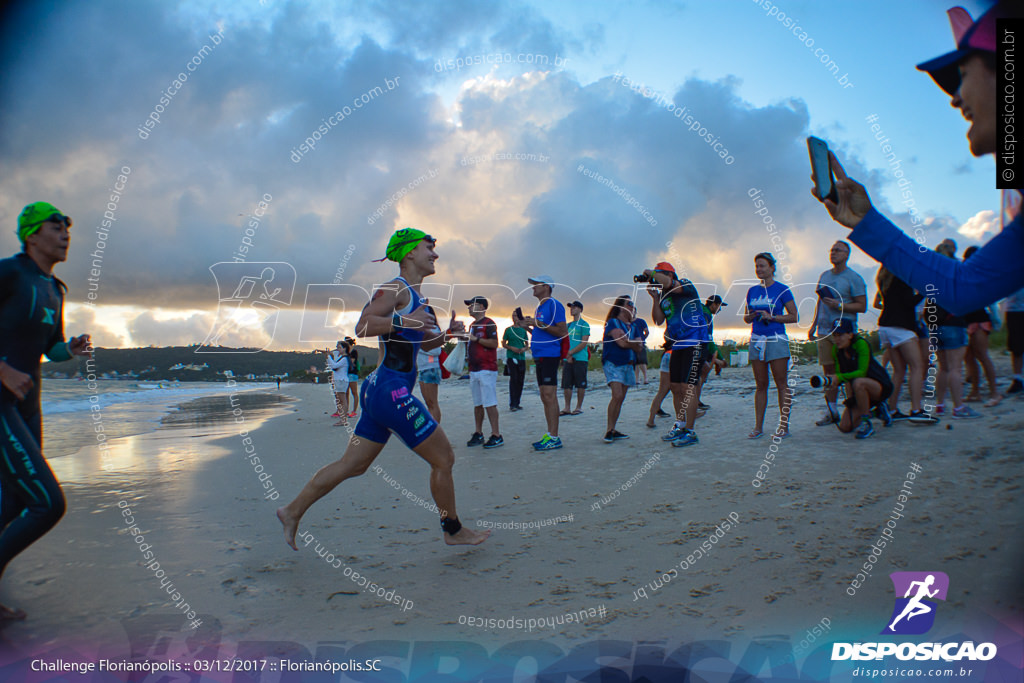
point(993, 272)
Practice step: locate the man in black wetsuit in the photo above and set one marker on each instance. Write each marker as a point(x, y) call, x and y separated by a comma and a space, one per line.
point(31, 324)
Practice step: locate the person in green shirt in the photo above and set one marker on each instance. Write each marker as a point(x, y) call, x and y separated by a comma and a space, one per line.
point(868, 384)
point(515, 342)
point(574, 367)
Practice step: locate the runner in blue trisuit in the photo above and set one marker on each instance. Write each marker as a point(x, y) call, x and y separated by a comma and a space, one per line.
point(400, 317)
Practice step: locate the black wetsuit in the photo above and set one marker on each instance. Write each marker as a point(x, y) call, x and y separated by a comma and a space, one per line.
point(31, 324)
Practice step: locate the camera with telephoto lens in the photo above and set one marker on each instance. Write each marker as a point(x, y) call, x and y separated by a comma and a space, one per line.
point(817, 381)
point(641, 278)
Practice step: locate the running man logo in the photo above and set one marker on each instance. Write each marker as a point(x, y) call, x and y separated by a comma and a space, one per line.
point(250, 296)
point(914, 613)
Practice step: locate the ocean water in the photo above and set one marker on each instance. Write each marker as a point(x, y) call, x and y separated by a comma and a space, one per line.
point(128, 408)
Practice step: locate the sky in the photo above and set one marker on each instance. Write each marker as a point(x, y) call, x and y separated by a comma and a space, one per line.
point(529, 138)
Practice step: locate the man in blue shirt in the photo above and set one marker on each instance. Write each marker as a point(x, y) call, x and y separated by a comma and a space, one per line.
point(968, 74)
point(547, 327)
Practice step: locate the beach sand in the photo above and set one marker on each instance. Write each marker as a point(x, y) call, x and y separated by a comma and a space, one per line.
point(788, 562)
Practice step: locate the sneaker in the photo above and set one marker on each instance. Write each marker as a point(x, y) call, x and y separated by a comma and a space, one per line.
point(494, 441)
point(703, 406)
point(336, 414)
point(865, 430)
point(617, 435)
point(827, 419)
point(940, 410)
point(548, 443)
point(882, 410)
point(921, 417)
point(688, 438)
point(1015, 387)
point(674, 434)
point(352, 414)
point(476, 440)
point(609, 437)
point(965, 412)
point(661, 413)
point(898, 416)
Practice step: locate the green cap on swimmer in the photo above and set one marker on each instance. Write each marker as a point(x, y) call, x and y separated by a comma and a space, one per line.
point(34, 215)
point(403, 242)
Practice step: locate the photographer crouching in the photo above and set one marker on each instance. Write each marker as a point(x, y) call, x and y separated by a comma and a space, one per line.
point(868, 385)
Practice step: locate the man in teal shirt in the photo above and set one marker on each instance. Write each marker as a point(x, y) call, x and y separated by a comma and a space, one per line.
point(574, 368)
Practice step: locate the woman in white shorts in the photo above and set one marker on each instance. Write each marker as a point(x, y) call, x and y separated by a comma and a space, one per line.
point(770, 307)
point(897, 331)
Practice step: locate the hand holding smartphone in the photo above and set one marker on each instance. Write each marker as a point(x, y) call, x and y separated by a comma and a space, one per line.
point(821, 170)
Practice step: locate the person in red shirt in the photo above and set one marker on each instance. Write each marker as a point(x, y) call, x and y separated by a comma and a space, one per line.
point(482, 354)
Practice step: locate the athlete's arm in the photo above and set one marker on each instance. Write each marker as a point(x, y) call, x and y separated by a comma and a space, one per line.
point(17, 382)
point(376, 319)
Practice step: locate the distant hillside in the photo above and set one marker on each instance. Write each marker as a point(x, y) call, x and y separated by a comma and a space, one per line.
point(184, 364)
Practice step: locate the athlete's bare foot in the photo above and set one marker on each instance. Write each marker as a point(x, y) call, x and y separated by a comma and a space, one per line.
point(466, 536)
point(290, 524)
point(11, 614)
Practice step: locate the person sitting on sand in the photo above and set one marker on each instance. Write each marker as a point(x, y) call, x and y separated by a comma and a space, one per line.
point(398, 314)
point(867, 384)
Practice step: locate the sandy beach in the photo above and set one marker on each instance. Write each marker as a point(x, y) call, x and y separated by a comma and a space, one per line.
point(782, 559)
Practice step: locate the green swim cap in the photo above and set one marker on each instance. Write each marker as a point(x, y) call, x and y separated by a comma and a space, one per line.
point(34, 215)
point(403, 242)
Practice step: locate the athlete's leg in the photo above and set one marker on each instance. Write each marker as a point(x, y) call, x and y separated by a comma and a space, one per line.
point(437, 451)
point(32, 499)
point(550, 400)
point(358, 457)
point(659, 397)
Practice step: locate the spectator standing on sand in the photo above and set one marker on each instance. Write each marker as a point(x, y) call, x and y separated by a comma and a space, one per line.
point(515, 341)
point(574, 367)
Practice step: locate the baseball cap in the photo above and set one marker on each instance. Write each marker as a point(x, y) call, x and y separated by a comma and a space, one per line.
point(715, 299)
point(402, 242)
point(477, 300)
point(970, 36)
point(577, 304)
point(843, 326)
point(665, 266)
point(542, 280)
point(34, 215)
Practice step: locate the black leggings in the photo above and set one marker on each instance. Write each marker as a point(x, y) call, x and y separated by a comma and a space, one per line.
point(31, 501)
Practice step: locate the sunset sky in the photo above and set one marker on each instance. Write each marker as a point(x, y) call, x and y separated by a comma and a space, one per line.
point(484, 124)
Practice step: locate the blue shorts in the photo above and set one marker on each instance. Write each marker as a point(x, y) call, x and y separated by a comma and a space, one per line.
point(353, 377)
point(623, 374)
point(390, 408)
point(950, 337)
point(430, 376)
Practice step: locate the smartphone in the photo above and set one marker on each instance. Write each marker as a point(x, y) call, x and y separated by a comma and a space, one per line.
point(518, 313)
point(824, 293)
point(821, 170)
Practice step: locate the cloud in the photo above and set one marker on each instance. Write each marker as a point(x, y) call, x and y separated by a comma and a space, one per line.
point(980, 224)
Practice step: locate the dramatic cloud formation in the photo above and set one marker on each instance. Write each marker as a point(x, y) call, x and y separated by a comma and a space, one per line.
point(305, 133)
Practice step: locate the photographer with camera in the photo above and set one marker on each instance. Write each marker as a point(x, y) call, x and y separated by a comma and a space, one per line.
point(678, 305)
point(867, 384)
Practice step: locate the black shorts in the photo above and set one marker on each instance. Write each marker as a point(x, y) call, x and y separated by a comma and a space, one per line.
point(547, 371)
point(1015, 332)
point(684, 365)
point(574, 375)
